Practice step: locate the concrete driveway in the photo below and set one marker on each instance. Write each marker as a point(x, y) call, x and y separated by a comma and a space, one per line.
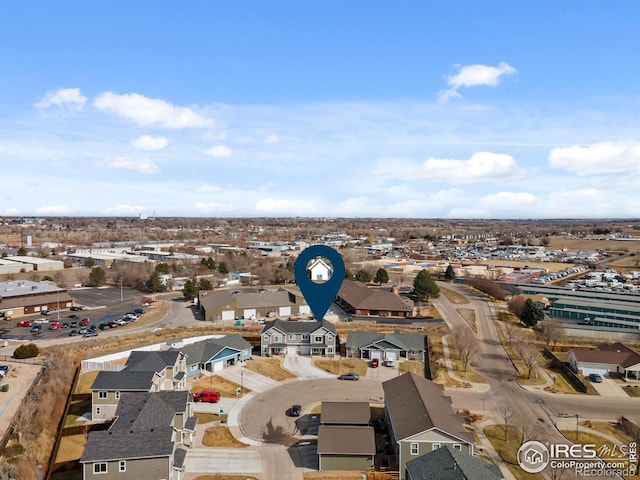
point(252, 380)
point(239, 461)
point(609, 388)
point(303, 367)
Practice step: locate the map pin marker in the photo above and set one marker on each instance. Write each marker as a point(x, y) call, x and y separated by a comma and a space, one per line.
point(319, 295)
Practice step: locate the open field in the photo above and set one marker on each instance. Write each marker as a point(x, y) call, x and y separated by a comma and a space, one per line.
point(586, 244)
point(269, 367)
point(221, 436)
point(453, 296)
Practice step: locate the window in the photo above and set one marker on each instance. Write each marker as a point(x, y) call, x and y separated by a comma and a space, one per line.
point(318, 338)
point(102, 395)
point(117, 395)
point(265, 338)
point(123, 466)
point(292, 336)
point(99, 468)
point(277, 339)
point(457, 446)
point(305, 336)
point(329, 349)
point(415, 448)
point(435, 446)
point(98, 410)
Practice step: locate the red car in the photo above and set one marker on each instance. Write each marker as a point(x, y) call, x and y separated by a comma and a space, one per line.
point(55, 326)
point(25, 323)
point(206, 396)
point(84, 322)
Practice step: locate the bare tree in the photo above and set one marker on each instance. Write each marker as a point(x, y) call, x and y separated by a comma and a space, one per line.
point(507, 415)
point(552, 332)
point(529, 356)
point(464, 341)
point(529, 430)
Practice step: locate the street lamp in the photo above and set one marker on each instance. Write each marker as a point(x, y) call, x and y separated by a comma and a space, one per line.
point(241, 383)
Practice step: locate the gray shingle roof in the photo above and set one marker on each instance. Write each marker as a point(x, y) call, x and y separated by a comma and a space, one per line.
point(124, 380)
point(402, 340)
point(292, 326)
point(346, 440)
point(143, 427)
point(448, 464)
point(142, 361)
point(416, 405)
point(345, 413)
point(361, 297)
point(179, 457)
point(202, 352)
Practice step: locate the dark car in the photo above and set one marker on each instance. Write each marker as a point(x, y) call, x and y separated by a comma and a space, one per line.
point(92, 328)
point(349, 376)
point(73, 315)
point(595, 377)
point(3, 370)
point(139, 311)
point(73, 324)
point(293, 411)
point(73, 333)
point(65, 324)
point(91, 333)
point(104, 326)
point(36, 329)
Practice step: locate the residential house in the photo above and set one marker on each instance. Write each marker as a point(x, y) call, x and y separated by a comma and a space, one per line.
point(145, 440)
point(606, 359)
point(358, 299)
point(448, 464)
point(421, 419)
point(385, 346)
point(280, 337)
point(226, 305)
point(144, 372)
point(346, 447)
point(214, 354)
point(320, 271)
point(345, 413)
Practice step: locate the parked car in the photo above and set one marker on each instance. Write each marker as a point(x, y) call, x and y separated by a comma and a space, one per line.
point(389, 363)
point(73, 333)
point(46, 312)
point(73, 324)
point(375, 363)
point(239, 323)
point(74, 308)
point(139, 311)
point(41, 321)
point(83, 330)
point(84, 322)
point(206, 396)
point(91, 333)
point(294, 411)
point(104, 326)
point(74, 316)
point(92, 328)
point(24, 323)
point(55, 325)
point(349, 376)
point(595, 377)
point(65, 324)
point(36, 329)
point(4, 369)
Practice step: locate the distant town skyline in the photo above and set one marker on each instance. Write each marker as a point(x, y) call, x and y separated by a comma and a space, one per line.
point(330, 108)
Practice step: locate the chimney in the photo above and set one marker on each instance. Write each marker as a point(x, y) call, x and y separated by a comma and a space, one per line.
point(395, 290)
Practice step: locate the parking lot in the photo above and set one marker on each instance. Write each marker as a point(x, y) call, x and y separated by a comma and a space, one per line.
point(102, 305)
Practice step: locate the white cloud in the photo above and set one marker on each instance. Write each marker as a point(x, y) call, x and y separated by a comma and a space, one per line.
point(287, 207)
point(147, 142)
point(12, 212)
point(473, 76)
point(509, 201)
point(213, 207)
point(69, 98)
point(141, 166)
point(53, 210)
point(599, 158)
point(271, 139)
point(208, 189)
point(481, 167)
point(124, 210)
point(219, 151)
point(151, 111)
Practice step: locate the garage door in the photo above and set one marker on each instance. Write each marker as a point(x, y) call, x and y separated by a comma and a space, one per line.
point(250, 313)
point(228, 315)
point(292, 349)
point(304, 309)
point(217, 366)
point(603, 371)
point(284, 311)
point(305, 350)
point(376, 354)
point(391, 355)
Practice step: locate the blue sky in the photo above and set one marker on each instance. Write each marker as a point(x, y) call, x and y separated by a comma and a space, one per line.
point(473, 109)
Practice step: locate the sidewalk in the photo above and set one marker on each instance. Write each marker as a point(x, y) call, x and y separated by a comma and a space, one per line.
point(475, 387)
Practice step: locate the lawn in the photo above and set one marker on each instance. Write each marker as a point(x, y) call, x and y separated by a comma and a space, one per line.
point(508, 449)
point(269, 367)
point(220, 436)
point(76, 410)
point(412, 366)
point(632, 391)
point(609, 429)
point(204, 417)
point(227, 388)
point(85, 380)
point(71, 447)
point(453, 296)
point(343, 365)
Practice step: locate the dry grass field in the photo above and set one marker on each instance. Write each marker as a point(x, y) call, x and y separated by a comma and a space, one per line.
point(586, 244)
point(226, 387)
point(71, 447)
point(343, 365)
point(453, 296)
point(269, 367)
point(220, 436)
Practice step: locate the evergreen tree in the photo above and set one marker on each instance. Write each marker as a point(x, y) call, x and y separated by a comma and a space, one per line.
point(531, 314)
point(89, 262)
point(450, 273)
point(223, 268)
point(363, 276)
point(382, 276)
point(348, 274)
point(162, 267)
point(22, 252)
point(205, 284)
point(189, 290)
point(97, 277)
point(155, 284)
point(425, 286)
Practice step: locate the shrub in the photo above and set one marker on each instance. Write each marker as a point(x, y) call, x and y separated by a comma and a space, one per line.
point(26, 351)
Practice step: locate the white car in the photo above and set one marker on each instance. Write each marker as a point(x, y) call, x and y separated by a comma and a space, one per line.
point(41, 321)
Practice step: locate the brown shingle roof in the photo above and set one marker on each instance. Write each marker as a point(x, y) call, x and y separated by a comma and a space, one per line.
point(415, 405)
point(362, 298)
point(346, 440)
point(345, 413)
point(614, 353)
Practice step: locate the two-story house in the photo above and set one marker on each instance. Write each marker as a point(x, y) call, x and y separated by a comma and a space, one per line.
point(143, 372)
point(281, 337)
point(145, 440)
point(421, 419)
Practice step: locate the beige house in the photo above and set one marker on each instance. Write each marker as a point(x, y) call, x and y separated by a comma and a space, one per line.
point(421, 419)
point(143, 372)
